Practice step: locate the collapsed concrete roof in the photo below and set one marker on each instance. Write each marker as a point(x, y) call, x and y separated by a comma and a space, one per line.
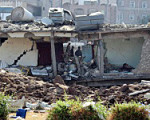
point(37, 27)
point(31, 27)
point(34, 29)
point(9, 27)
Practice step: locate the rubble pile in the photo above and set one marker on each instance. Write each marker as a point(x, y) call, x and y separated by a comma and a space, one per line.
point(32, 26)
point(125, 93)
point(39, 25)
point(34, 89)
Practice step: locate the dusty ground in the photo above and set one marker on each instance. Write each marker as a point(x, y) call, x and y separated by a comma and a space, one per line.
point(33, 116)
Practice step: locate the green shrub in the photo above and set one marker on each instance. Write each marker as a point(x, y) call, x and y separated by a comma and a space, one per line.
point(128, 111)
point(76, 110)
point(3, 106)
point(61, 110)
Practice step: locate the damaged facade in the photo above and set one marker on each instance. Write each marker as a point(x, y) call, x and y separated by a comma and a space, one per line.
point(32, 47)
point(107, 51)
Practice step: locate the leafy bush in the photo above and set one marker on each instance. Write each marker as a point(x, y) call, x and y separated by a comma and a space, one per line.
point(3, 106)
point(76, 110)
point(128, 111)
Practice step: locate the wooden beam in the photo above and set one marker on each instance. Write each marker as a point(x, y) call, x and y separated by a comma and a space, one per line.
point(53, 55)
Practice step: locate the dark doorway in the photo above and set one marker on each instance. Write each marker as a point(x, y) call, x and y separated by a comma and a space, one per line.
point(44, 56)
point(44, 53)
point(59, 52)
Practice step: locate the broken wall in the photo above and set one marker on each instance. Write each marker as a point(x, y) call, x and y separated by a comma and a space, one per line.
point(144, 65)
point(13, 48)
point(120, 51)
point(87, 53)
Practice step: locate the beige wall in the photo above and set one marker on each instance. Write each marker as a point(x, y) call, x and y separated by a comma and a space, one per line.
point(138, 12)
point(11, 49)
point(120, 51)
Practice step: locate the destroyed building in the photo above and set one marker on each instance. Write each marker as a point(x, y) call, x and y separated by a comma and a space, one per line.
point(110, 51)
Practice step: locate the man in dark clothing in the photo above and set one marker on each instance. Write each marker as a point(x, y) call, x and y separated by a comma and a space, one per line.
point(78, 53)
point(72, 51)
point(67, 53)
point(68, 49)
point(78, 58)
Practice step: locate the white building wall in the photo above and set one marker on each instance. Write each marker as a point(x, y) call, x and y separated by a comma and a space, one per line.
point(133, 11)
point(11, 49)
point(122, 51)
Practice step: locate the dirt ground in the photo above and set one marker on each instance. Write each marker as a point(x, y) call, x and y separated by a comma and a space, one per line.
point(32, 116)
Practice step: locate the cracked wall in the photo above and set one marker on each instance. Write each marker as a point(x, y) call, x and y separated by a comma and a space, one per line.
point(12, 48)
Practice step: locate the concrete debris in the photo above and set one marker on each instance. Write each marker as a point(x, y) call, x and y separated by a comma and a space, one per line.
point(41, 71)
point(73, 69)
point(17, 104)
point(32, 106)
point(2, 71)
point(14, 70)
point(58, 79)
point(35, 89)
point(61, 20)
point(139, 92)
point(147, 96)
point(46, 21)
point(37, 26)
point(37, 106)
point(144, 82)
point(96, 73)
point(34, 71)
point(73, 76)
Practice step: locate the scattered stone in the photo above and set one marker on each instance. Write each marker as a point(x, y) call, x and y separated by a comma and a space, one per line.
point(124, 88)
point(147, 96)
point(58, 79)
point(139, 92)
point(35, 89)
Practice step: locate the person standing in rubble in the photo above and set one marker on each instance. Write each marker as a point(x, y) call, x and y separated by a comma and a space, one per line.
point(68, 49)
point(78, 58)
point(78, 52)
point(67, 53)
point(72, 52)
